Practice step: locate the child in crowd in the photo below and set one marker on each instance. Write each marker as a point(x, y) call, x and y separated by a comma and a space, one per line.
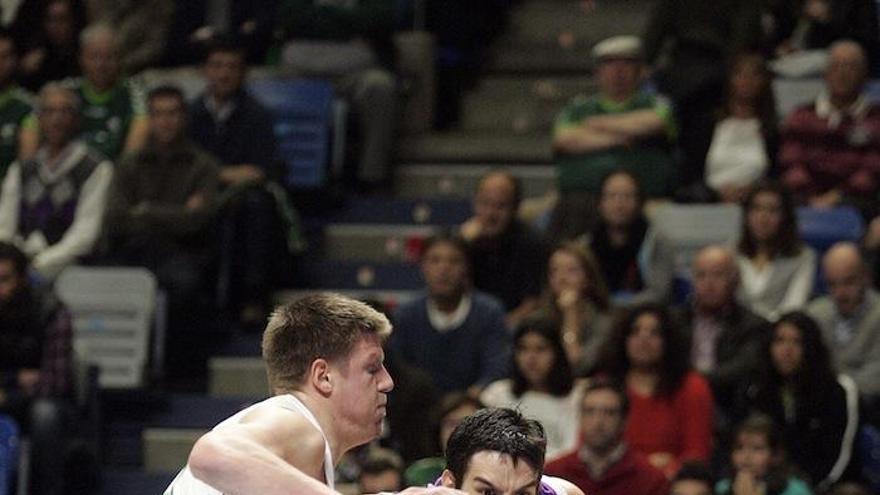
point(758, 462)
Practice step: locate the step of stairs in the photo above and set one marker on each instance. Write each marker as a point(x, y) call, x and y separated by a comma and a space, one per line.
point(376, 243)
point(460, 180)
point(167, 449)
point(521, 104)
point(519, 87)
point(237, 377)
point(538, 59)
point(402, 211)
point(476, 147)
point(539, 22)
point(168, 436)
point(324, 274)
point(115, 481)
point(388, 300)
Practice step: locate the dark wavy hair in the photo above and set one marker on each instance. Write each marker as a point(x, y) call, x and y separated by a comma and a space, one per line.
point(787, 241)
point(560, 378)
point(674, 363)
point(812, 381)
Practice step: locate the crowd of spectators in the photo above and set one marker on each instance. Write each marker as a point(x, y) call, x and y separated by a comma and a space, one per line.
point(757, 382)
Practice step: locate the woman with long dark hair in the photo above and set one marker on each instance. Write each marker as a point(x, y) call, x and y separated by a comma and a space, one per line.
point(637, 264)
point(670, 417)
point(796, 385)
point(776, 268)
point(542, 384)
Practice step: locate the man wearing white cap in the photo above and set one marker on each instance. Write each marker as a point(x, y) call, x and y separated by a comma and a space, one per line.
point(622, 126)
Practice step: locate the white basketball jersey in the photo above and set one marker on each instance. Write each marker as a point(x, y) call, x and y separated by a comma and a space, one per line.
point(187, 484)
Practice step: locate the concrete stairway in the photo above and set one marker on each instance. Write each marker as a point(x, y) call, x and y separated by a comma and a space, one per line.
point(541, 61)
point(366, 249)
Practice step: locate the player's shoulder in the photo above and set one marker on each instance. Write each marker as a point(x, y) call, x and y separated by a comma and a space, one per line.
point(560, 486)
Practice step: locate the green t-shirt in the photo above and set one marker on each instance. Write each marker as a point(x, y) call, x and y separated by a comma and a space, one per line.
point(16, 107)
point(650, 160)
point(107, 117)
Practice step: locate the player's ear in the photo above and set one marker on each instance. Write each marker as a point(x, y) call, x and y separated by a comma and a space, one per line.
point(447, 479)
point(319, 376)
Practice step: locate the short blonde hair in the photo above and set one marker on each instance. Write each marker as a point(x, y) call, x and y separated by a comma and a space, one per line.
point(322, 326)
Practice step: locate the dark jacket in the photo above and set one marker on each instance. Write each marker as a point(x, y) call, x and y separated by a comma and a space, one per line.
point(247, 136)
point(735, 350)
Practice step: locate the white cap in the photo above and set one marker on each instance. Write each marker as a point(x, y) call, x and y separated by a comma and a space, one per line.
point(624, 46)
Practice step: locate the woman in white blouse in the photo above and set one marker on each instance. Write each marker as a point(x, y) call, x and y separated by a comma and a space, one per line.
point(542, 384)
point(745, 139)
point(776, 268)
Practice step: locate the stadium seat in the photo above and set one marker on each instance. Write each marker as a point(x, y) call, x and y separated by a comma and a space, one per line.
point(9, 438)
point(305, 113)
point(820, 228)
point(689, 227)
point(113, 312)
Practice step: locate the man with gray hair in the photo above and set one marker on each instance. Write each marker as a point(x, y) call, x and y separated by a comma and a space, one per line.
point(52, 205)
point(830, 149)
point(849, 317)
point(114, 112)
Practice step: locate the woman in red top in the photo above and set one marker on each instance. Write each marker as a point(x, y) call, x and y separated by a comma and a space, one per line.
point(670, 419)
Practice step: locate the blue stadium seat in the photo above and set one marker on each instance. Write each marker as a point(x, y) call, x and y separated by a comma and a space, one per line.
point(820, 228)
point(304, 116)
point(9, 438)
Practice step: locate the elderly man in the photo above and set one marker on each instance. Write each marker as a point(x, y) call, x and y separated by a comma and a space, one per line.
point(114, 109)
point(622, 126)
point(831, 148)
point(508, 256)
point(52, 205)
point(850, 317)
point(724, 334)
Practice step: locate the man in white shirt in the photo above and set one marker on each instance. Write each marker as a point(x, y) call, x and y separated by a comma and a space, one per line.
point(52, 206)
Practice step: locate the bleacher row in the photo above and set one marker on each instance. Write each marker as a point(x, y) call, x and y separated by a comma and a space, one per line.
point(168, 425)
point(368, 247)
